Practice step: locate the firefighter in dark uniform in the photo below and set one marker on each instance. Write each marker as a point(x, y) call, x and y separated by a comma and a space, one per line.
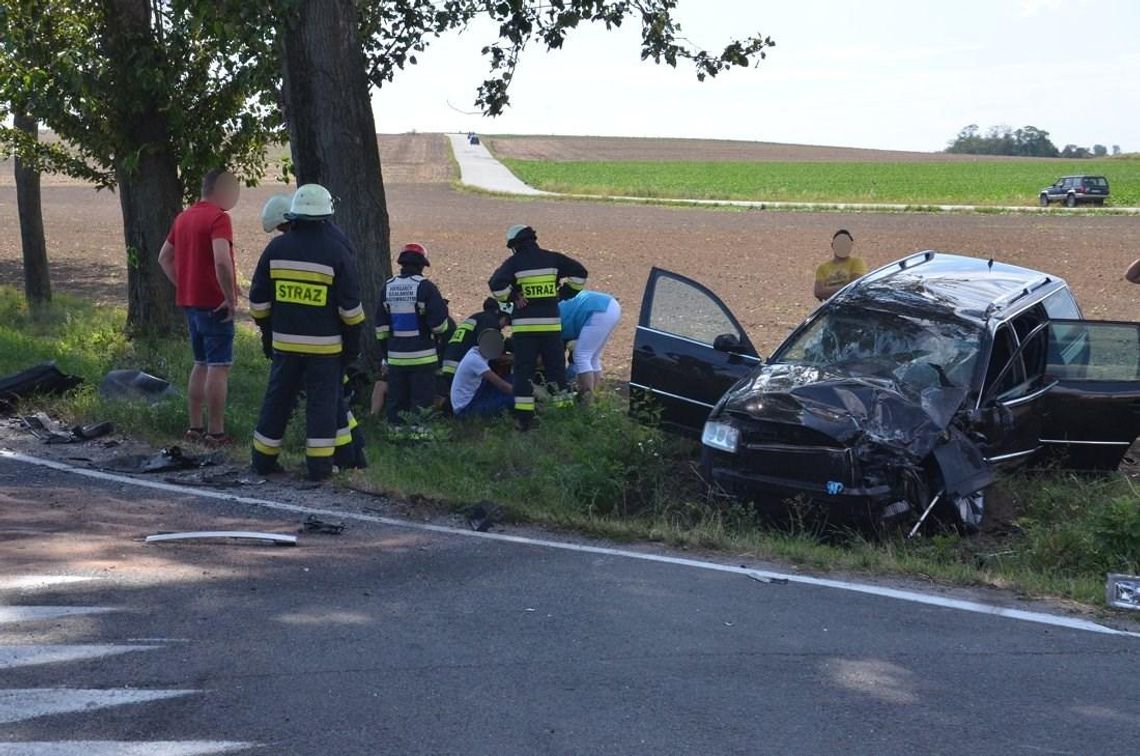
point(350, 441)
point(530, 279)
point(305, 298)
point(466, 334)
point(410, 319)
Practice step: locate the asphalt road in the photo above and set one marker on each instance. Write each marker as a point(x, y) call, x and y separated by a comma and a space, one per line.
point(387, 640)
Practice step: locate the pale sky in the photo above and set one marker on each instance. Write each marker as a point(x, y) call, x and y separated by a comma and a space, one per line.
point(902, 74)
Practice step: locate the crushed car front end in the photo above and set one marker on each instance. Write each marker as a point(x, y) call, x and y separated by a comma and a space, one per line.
point(849, 415)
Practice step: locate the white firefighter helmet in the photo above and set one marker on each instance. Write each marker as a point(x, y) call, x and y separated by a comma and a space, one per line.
point(519, 232)
point(273, 212)
point(310, 202)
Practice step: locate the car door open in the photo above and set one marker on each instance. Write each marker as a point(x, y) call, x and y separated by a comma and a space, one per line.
point(688, 350)
point(1092, 414)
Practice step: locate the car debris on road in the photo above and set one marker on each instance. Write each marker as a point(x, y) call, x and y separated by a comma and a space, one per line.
point(276, 539)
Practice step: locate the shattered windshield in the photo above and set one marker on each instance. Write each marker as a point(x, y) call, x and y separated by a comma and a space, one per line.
point(909, 350)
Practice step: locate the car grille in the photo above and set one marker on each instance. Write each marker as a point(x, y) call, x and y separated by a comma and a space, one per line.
point(792, 452)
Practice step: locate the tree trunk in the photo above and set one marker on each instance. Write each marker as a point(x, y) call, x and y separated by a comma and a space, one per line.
point(332, 133)
point(150, 192)
point(37, 281)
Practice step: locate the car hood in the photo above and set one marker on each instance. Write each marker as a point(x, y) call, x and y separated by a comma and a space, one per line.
point(871, 415)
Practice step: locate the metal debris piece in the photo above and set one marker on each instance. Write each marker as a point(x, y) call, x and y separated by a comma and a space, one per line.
point(1123, 591)
point(313, 524)
point(769, 579)
point(198, 535)
point(168, 460)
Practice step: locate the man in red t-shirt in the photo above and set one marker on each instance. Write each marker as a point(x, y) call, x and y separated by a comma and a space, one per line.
point(198, 258)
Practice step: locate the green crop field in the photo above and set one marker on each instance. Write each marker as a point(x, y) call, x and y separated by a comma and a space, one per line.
point(1013, 182)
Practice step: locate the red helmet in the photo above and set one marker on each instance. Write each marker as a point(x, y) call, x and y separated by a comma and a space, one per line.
point(413, 254)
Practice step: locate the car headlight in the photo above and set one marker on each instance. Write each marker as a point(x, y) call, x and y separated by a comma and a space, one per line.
point(721, 436)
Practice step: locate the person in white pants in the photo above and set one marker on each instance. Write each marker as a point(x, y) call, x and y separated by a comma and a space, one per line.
point(588, 319)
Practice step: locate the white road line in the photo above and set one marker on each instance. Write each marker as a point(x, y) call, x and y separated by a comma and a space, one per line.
point(928, 599)
point(10, 614)
point(122, 748)
point(33, 582)
point(18, 704)
point(26, 655)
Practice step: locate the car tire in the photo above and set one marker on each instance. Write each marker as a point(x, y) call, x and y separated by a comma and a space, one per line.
point(1044, 200)
point(1071, 200)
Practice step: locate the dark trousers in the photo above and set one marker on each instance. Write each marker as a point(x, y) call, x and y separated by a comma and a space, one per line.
point(409, 389)
point(320, 378)
point(350, 441)
point(488, 401)
point(528, 348)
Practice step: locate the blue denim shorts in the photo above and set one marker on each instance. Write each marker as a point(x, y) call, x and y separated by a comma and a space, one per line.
point(211, 338)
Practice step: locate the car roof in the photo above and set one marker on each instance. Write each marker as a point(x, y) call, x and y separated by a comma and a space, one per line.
point(950, 286)
point(1084, 175)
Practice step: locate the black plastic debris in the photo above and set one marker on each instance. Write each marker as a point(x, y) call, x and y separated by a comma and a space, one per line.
point(44, 379)
point(483, 515)
point(135, 385)
point(313, 524)
point(168, 460)
point(43, 428)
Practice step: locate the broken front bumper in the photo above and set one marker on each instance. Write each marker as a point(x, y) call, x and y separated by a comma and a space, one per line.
point(778, 474)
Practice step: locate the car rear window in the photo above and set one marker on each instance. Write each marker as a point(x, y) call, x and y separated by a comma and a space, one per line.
point(1098, 181)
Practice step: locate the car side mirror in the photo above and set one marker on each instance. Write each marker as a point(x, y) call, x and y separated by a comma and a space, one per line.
point(729, 343)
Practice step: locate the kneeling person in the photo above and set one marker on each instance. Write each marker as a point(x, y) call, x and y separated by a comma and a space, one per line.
point(477, 390)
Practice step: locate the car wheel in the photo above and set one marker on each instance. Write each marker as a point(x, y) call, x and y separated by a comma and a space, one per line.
point(1044, 200)
point(1071, 200)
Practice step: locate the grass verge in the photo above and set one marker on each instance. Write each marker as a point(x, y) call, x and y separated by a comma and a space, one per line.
point(598, 472)
point(996, 183)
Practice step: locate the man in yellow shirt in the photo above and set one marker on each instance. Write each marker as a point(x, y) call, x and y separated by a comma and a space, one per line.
point(841, 270)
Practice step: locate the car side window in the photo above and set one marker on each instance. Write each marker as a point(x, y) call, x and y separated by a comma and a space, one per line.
point(1090, 351)
point(1035, 351)
point(1060, 305)
point(1005, 345)
point(683, 310)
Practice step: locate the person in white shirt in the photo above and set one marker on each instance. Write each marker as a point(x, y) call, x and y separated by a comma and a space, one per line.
point(477, 390)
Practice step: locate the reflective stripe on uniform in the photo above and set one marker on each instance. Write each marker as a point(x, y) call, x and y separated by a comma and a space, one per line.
point(440, 328)
point(288, 342)
point(524, 403)
point(260, 310)
point(270, 447)
point(521, 274)
point(406, 359)
point(343, 436)
point(543, 286)
point(535, 325)
point(501, 294)
point(320, 447)
point(352, 421)
point(449, 367)
point(353, 316)
point(574, 282)
point(383, 332)
point(298, 270)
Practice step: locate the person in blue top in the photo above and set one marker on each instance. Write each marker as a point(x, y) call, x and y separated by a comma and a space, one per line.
point(588, 319)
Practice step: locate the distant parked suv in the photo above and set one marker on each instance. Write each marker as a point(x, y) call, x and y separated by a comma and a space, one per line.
point(1073, 190)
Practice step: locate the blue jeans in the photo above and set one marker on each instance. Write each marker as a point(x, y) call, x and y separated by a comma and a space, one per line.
point(211, 338)
point(487, 401)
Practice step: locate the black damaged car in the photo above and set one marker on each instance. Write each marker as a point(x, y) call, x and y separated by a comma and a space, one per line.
point(899, 396)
